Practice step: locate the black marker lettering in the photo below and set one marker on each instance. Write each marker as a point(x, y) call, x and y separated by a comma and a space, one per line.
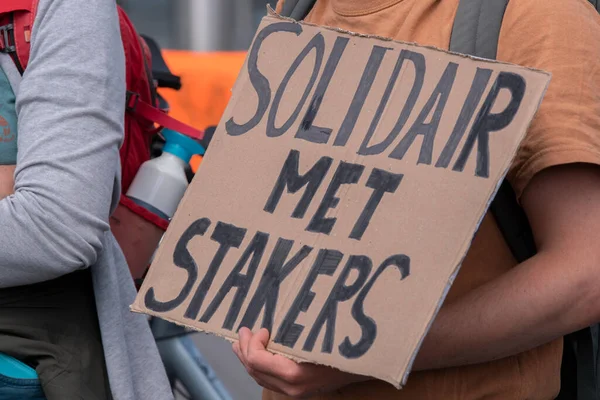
point(418, 61)
point(267, 293)
point(428, 130)
point(480, 81)
point(182, 259)
point(326, 263)
point(318, 44)
point(486, 122)
point(291, 178)
point(383, 182)
point(254, 253)
point(346, 173)
point(341, 292)
point(227, 236)
point(258, 80)
point(367, 324)
point(307, 130)
point(363, 89)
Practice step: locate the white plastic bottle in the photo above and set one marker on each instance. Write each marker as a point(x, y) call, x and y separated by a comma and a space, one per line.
point(161, 182)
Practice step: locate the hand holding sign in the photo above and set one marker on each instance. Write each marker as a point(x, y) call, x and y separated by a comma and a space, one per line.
point(343, 188)
point(283, 375)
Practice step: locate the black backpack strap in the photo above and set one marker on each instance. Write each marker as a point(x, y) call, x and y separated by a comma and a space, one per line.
point(297, 9)
point(476, 31)
point(580, 372)
point(477, 27)
point(513, 223)
point(587, 363)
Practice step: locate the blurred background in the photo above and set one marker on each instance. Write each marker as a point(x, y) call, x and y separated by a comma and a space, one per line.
point(198, 25)
point(204, 42)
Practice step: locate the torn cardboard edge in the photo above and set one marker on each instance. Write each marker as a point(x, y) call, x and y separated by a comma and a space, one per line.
point(234, 339)
point(271, 13)
point(452, 278)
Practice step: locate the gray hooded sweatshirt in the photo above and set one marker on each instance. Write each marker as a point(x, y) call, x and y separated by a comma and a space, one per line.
point(70, 108)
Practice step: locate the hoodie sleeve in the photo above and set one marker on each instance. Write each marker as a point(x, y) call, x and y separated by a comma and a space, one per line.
point(70, 106)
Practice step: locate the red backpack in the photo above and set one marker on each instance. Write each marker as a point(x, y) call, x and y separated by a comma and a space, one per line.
point(143, 118)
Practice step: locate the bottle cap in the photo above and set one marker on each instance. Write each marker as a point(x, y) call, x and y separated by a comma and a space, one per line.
point(181, 145)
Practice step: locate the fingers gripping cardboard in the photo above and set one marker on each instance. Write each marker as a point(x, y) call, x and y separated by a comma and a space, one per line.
point(343, 188)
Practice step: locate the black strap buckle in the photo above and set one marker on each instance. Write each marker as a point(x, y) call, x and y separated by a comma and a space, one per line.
point(6, 33)
point(131, 101)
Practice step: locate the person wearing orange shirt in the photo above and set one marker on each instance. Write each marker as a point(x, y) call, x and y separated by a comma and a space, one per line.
point(499, 333)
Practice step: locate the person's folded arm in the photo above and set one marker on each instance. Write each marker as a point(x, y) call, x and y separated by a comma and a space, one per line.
point(552, 294)
point(70, 106)
point(556, 175)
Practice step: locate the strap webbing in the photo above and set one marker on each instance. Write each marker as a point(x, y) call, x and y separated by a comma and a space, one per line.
point(587, 384)
point(476, 32)
point(137, 106)
point(297, 9)
point(513, 223)
point(477, 27)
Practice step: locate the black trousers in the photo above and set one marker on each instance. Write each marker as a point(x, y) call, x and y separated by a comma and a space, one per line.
point(53, 327)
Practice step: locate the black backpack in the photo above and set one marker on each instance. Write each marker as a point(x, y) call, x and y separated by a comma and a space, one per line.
point(476, 30)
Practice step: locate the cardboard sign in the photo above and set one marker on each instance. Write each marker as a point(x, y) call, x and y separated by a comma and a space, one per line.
point(342, 190)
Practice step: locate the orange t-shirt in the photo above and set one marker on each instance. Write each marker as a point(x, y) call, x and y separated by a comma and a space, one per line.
point(558, 36)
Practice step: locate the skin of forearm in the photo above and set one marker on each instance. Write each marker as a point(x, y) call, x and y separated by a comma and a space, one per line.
point(536, 302)
point(7, 184)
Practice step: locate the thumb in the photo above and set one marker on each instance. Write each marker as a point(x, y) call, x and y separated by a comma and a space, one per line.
point(259, 340)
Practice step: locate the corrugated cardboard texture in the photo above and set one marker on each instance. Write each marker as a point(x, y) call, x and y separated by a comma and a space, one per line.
point(340, 194)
